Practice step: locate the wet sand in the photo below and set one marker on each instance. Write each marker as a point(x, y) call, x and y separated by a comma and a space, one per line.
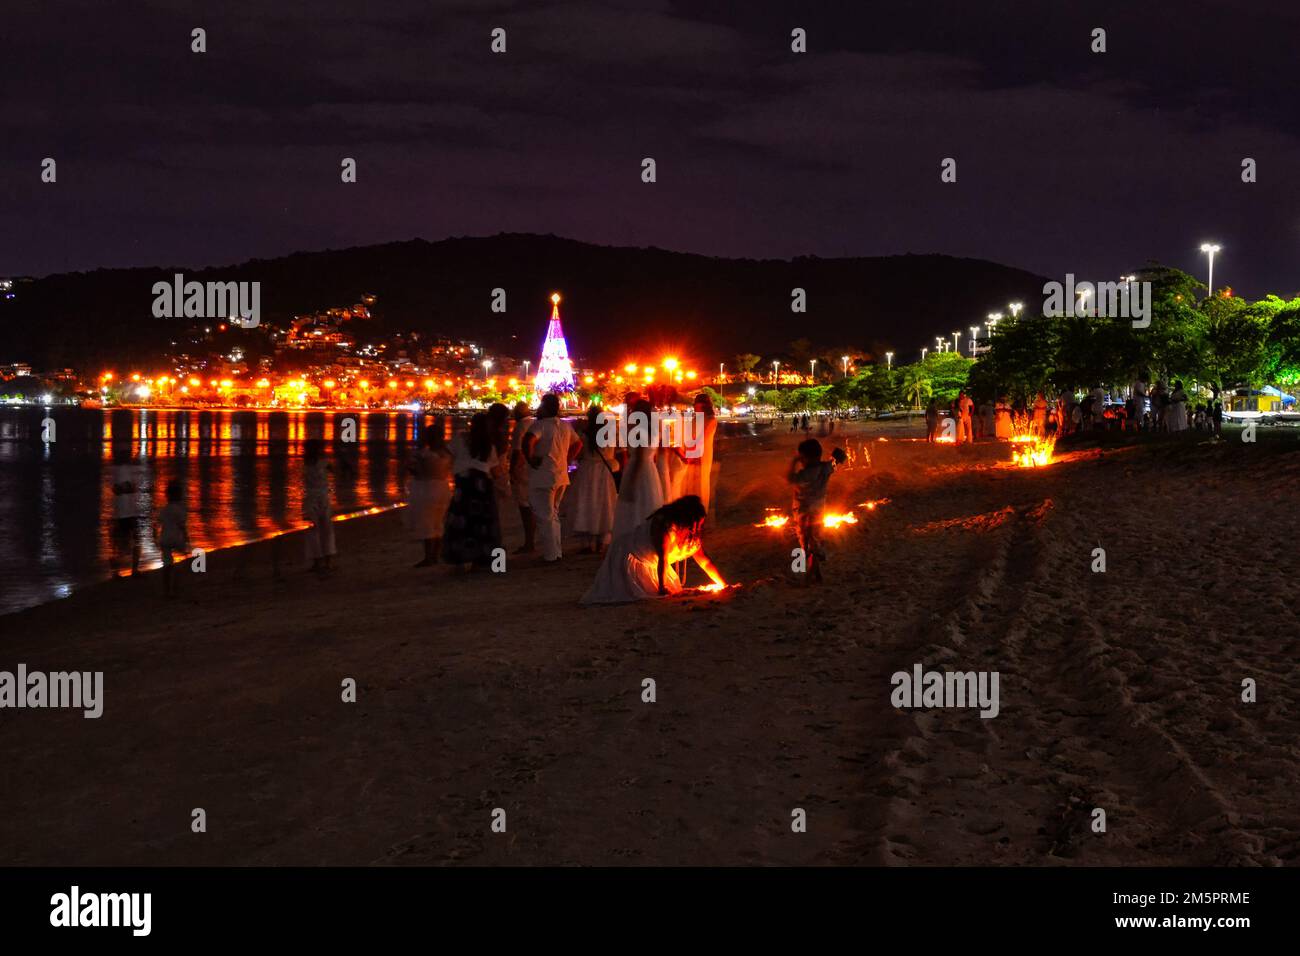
point(1119, 690)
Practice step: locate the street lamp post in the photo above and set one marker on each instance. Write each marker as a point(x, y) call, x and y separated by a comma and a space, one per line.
point(722, 371)
point(812, 370)
point(1015, 308)
point(889, 360)
point(776, 373)
point(845, 359)
point(974, 338)
point(487, 364)
point(955, 337)
point(527, 362)
point(923, 351)
point(1210, 249)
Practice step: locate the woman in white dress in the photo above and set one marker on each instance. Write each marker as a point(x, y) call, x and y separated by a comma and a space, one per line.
point(1002, 419)
point(430, 490)
point(594, 492)
point(639, 564)
point(1176, 413)
point(316, 506)
point(669, 460)
point(697, 476)
point(640, 491)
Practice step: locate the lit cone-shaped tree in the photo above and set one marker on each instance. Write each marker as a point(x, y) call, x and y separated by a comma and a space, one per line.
point(554, 371)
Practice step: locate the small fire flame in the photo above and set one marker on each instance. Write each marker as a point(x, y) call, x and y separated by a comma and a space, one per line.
point(945, 440)
point(776, 520)
point(711, 587)
point(1036, 453)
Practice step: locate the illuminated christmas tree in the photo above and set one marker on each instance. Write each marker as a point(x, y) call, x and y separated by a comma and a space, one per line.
point(554, 371)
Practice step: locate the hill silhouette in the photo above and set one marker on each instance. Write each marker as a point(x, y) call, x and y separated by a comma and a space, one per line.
point(618, 303)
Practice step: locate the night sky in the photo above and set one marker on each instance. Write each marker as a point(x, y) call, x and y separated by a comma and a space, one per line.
point(1068, 161)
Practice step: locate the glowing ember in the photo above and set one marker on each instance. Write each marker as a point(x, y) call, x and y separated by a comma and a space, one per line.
point(874, 504)
point(711, 587)
point(945, 440)
point(1035, 454)
point(834, 521)
point(774, 519)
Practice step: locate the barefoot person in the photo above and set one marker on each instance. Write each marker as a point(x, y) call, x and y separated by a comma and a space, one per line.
point(430, 492)
point(810, 476)
point(698, 476)
point(127, 518)
point(172, 533)
point(594, 492)
point(519, 471)
point(316, 506)
point(639, 564)
point(550, 446)
point(473, 528)
point(640, 491)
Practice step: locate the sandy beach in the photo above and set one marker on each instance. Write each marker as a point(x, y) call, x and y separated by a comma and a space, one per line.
point(1119, 690)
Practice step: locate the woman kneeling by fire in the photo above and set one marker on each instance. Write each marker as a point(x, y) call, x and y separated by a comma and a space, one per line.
point(639, 563)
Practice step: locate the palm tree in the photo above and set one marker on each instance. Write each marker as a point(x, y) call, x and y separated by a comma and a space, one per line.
point(916, 385)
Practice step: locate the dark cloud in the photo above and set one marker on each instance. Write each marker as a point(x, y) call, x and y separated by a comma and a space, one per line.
point(1067, 161)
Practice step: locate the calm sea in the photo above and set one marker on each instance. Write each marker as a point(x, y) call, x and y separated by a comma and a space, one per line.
point(241, 472)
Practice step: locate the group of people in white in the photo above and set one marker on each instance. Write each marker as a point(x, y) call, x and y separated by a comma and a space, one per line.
point(634, 498)
point(1159, 409)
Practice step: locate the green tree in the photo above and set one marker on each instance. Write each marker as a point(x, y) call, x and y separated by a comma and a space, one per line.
point(917, 386)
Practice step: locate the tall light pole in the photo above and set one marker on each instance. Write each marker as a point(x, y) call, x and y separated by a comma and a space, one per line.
point(1015, 308)
point(889, 360)
point(487, 364)
point(776, 373)
point(722, 367)
point(1083, 301)
point(923, 351)
point(812, 370)
point(955, 337)
point(845, 360)
point(1210, 249)
point(974, 338)
point(938, 341)
point(527, 362)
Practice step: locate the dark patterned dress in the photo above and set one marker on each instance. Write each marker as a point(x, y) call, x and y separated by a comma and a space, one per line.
point(473, 529)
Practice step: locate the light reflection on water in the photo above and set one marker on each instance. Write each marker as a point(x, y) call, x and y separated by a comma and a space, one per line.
point(241, 472)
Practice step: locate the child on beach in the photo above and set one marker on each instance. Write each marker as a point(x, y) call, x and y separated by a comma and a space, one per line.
point(172, 533)
point(810, 476)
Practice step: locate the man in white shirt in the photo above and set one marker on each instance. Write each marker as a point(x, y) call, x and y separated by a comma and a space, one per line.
point(550, 445)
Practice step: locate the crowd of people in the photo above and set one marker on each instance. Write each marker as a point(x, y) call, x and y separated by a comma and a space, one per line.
point(1162, 409)
point(621, 500)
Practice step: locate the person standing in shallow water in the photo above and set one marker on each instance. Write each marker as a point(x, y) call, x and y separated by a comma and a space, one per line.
point(316, 506)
